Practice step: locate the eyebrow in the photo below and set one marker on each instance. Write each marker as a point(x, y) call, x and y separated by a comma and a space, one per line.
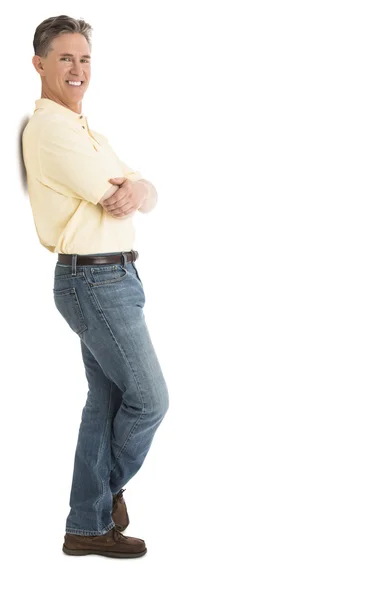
point(67, 54)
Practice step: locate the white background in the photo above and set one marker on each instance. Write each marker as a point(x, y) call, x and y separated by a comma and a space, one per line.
point(248, 117)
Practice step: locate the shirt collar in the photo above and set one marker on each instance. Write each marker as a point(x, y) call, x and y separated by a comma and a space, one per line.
point(54, 107)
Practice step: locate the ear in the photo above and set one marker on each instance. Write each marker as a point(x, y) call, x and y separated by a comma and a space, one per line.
point(37, 63)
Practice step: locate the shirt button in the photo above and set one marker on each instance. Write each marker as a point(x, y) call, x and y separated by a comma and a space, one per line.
point(83, 127)
point(80, 117)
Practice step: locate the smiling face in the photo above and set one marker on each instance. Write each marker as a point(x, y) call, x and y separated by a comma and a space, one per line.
point(68, 60)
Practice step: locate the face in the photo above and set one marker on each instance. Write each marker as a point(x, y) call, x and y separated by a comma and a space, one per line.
point(67, 60)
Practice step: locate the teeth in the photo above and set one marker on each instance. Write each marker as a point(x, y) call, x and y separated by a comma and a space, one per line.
point(74, 82)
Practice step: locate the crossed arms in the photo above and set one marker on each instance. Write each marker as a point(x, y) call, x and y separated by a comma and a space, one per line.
point(126, 196)
point(72, 164)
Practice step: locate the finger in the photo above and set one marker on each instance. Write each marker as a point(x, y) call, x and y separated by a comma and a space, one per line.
point(118, 180)
point(126, 206)
point(119, 212)
point(122, 204)
point(116, 208)
point(115, 199)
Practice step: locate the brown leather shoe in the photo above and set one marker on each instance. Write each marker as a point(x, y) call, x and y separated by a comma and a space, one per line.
point(119, 512)
point(113, 544)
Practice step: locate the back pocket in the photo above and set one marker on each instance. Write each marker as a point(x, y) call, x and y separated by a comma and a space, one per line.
point(67, 303)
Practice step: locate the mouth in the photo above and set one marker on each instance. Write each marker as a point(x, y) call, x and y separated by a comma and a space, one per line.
point(75, 83)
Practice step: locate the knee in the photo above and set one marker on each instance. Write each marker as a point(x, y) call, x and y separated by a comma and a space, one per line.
point(161, 404)
point(165, 404)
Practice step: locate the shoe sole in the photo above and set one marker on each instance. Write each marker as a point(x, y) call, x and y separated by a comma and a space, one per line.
point(103, 553)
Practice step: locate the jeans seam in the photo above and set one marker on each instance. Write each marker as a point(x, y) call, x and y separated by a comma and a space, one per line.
point(101, 448)
point(120, 349)
point(133, 428)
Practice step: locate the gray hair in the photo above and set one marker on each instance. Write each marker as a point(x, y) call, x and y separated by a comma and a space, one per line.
point(51, 28)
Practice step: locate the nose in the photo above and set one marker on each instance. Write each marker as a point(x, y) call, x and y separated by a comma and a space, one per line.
point(76, 68)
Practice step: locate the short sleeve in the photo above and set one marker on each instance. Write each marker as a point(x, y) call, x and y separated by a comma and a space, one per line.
point(129, 173)
point(71, 163)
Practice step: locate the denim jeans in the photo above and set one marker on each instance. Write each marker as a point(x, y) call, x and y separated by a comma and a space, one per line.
point(127, 395)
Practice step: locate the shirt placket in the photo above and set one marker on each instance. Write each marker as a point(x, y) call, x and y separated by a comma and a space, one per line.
point(85, 127)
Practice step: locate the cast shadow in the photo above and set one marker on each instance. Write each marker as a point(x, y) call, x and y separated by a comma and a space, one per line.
point(22, 170)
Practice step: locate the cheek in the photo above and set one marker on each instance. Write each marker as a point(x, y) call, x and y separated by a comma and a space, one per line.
point(55, 79)
point(60, 74)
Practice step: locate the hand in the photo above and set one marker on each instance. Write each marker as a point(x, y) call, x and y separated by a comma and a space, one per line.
point(128, 198)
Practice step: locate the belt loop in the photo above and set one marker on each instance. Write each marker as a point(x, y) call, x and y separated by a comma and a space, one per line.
point(134, 256)
point(74, 260)
point(123, 259)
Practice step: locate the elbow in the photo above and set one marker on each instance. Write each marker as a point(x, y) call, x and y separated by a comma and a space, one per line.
point(148, 205)
point(151, 198)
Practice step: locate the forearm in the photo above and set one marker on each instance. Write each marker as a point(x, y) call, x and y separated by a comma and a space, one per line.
point(150, 199)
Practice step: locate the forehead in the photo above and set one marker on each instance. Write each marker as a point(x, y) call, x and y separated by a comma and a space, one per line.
point(73, 43)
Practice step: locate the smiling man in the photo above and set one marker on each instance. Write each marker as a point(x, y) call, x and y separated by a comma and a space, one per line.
point(83, 199)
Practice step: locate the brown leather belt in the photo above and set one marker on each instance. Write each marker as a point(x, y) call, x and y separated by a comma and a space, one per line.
point(131, 256)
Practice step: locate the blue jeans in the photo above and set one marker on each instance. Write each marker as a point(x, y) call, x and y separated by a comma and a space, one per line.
point(127, 394)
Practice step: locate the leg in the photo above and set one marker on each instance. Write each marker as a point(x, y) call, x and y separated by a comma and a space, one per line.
point(127, 397)
point(129, 361)
point(92, 462)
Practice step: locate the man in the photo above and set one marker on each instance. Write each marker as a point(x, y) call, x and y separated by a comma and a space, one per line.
point(83, 199)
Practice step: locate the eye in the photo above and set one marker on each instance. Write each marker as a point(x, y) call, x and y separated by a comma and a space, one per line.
point(69, 58)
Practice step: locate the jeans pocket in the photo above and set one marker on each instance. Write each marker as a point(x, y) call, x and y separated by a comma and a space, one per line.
point(67, 303)
point(137, 274)
point(105, 275)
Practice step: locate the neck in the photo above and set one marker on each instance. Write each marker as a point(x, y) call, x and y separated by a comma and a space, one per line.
point(77, 107)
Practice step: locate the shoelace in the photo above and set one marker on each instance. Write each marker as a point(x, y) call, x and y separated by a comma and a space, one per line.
point(119, 495)
point(118, 536)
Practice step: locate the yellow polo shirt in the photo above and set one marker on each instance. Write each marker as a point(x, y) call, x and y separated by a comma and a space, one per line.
point(68, 170)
